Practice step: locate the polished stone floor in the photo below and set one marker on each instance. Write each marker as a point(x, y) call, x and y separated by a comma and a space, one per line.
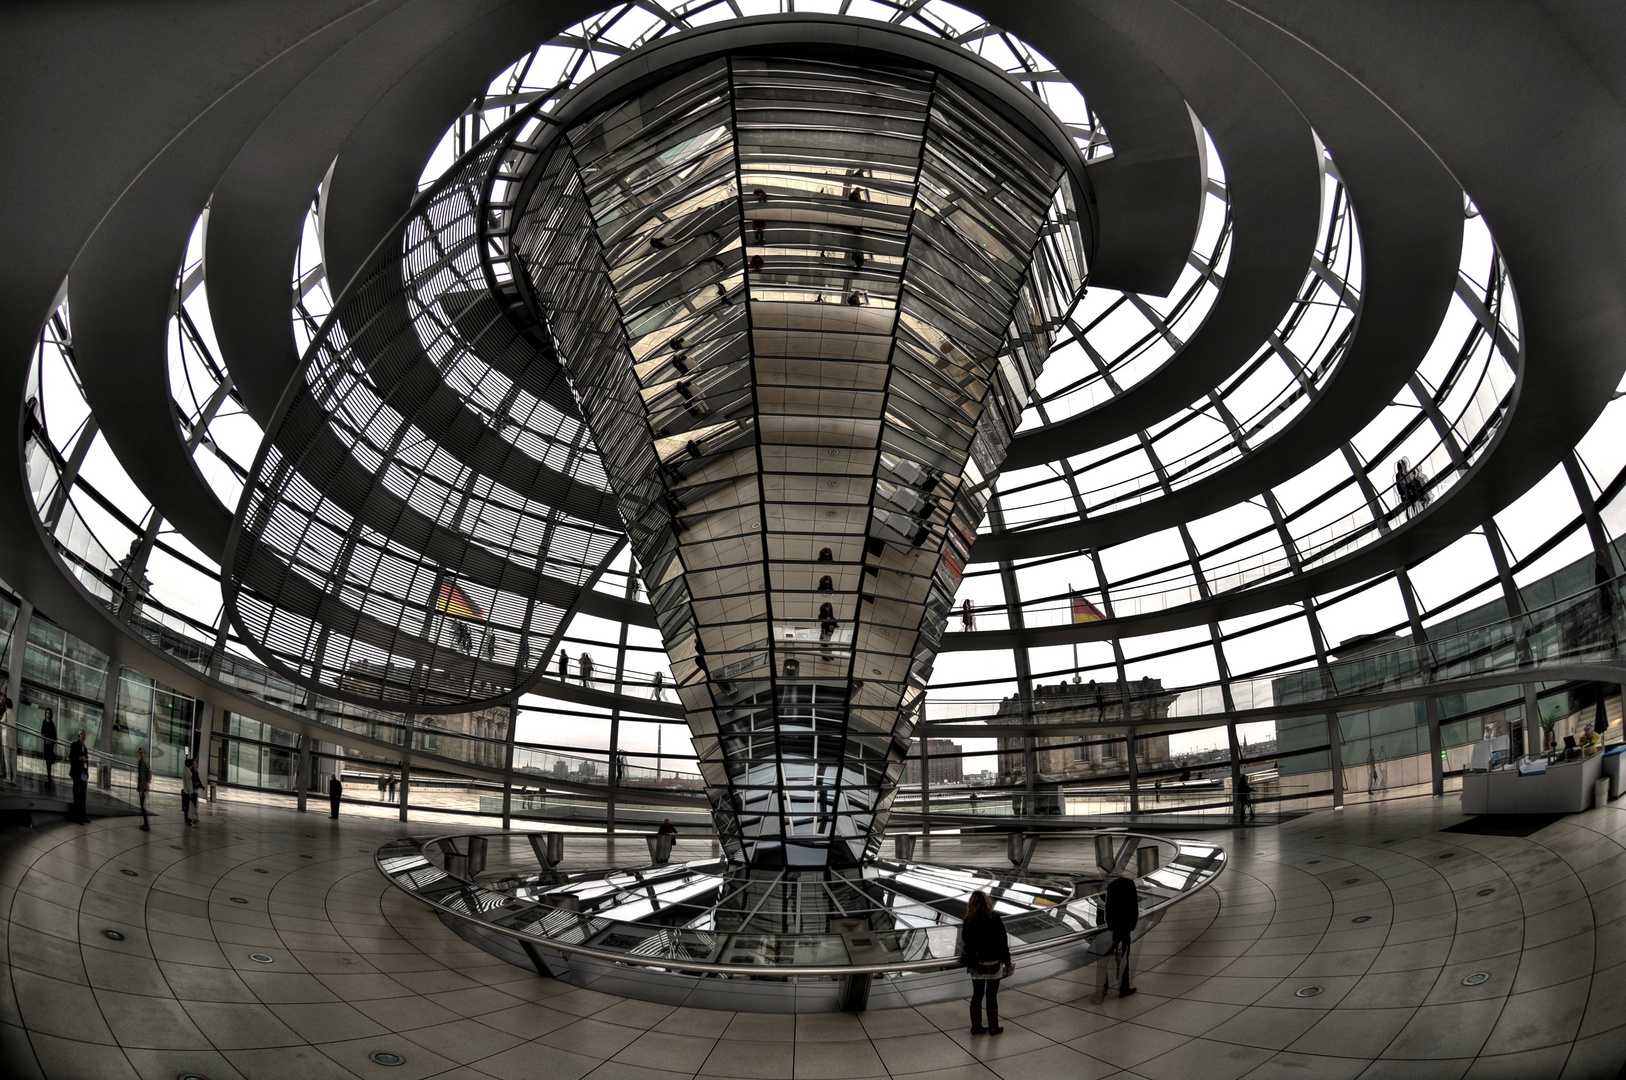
point(1393, 920)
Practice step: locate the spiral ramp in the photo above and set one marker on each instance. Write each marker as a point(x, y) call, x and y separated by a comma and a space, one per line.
point(1317, 249)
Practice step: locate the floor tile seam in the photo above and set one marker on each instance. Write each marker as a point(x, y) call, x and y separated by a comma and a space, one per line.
point(1587, 826)
point(409, 939)
point(11, 988)
point(1586, 893)
point(1456, 917)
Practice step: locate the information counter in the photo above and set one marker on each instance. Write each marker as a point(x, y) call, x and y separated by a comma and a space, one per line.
point(1565, 788)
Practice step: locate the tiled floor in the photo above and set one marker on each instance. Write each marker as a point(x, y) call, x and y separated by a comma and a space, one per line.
point(1388, 916)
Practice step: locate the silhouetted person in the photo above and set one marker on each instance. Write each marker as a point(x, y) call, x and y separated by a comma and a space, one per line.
point(987, 955)
point(584, 667)
point(334, 791)
point(1244, 797)
point(48, 738)
point(564, 665)
point(657, 686)
point(79, 773)
point(143, 784)
point(1122, 915)
point(968, 616)
point(667, 828)
point(392, 787)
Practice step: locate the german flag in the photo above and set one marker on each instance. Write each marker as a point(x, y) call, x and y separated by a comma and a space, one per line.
point(1084, 611)
point(454, 601)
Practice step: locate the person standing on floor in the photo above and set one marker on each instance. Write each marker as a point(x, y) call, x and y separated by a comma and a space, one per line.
point(143, 784)
point(79, 773)
point(48, 738)
point(383, 787)
point(334, 790)
point(199, 791)
point(1122, 915)
point(1244, 798)
point(189, 791)
point(392, 787)
point(987, 955)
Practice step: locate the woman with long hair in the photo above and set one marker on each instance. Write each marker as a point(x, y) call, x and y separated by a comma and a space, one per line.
point(987, 956)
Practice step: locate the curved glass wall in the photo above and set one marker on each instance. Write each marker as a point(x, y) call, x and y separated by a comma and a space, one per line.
point(619, 732)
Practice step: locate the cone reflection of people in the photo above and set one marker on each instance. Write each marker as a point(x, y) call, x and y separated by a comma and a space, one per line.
point(986, 952)
point(1122, 915)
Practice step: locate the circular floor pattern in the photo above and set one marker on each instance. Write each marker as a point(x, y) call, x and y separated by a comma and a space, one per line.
point(361, 969)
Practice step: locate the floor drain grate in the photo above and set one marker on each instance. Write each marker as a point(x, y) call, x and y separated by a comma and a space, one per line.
point(112, 935)
point(1352, 881)
point(1484, 892)
point(238, 900)
point(1475, 979)
point(1307, 991)
point(128, 873)
point(384, 1057)
point(1361, 919)
point(259, 958)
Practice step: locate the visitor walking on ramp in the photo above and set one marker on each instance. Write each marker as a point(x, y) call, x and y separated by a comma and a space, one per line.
point(987, 955)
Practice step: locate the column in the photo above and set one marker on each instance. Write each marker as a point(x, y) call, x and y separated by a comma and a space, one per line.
point(302, 771)
point(11, 735)
point(1335, 756)
point(1236, 753)
point(1134, 771)
point(110, 712)
point(926, 784)
point(406, 774)
point(508, 767)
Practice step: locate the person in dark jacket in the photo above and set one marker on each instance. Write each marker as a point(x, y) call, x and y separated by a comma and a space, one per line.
point(191, 791)
point(334, 790)
point(48, 737)
point(199, 791)
point(79, 773)
point(987, 956)
point(1122, 914)
point(143, 784)
point(1244, 798)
